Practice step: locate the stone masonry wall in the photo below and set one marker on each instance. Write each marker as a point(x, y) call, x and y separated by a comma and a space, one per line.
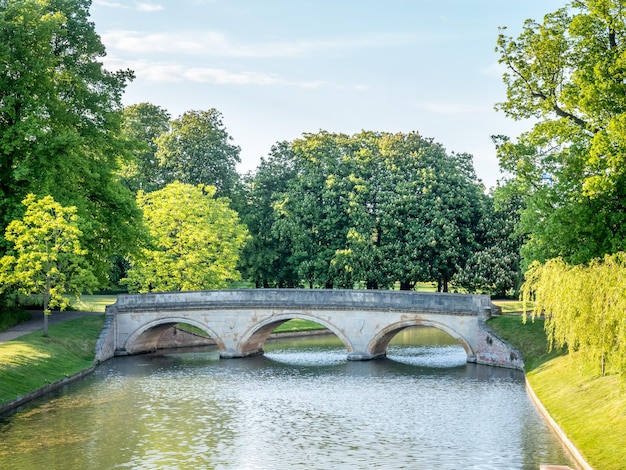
point(494, 351)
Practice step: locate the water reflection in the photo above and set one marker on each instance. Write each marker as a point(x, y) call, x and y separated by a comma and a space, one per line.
point(302, 405)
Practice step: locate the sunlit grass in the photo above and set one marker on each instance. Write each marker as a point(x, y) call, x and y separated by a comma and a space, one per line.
point(92, 303)
point(510, 307)
point(32, 361)
point(298, 325)
point(590, 409)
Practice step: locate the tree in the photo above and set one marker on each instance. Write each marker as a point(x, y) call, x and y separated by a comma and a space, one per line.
point(59, 123)
point(494, 267)
point(583, 306)
point(265, 258)
point(143, 123)
point(430, 212)
point(48, 258)
point(313, 211)
point(376, 208)
point(567, 73)
point(197, 150)
point(196, 241)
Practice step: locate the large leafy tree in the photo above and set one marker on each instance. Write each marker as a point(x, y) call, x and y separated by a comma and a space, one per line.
point(375, 208)
point(198, 150)
point(313, 213)
point(265, 259)
point(47, 257)
point(196, 241)
point(431, 210)
point(60, 114)
point(142, 124)
point(567, 73)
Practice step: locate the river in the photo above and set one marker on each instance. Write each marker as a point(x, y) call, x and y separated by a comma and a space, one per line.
point(301, 406)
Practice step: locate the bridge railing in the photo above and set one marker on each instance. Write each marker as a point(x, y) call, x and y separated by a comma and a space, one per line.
point(410, 301)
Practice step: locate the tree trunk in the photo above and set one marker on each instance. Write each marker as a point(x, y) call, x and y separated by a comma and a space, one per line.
point(46, 302)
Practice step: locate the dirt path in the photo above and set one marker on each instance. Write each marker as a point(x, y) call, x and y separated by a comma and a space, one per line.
point(36, 323)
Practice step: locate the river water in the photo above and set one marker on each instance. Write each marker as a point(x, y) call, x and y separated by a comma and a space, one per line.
point(301, 406)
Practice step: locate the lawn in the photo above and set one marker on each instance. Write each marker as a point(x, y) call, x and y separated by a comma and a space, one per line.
point(31, 361)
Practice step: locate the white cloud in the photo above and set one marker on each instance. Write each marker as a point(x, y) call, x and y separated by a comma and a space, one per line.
point(217, 44)
point(141, 6)
point(149, 7)
point(105, 3)
point(168, 72)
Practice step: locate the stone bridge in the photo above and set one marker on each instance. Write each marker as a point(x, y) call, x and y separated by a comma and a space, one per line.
point(241, 320)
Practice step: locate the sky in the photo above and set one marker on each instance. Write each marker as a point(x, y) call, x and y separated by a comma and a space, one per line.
point(276, 69)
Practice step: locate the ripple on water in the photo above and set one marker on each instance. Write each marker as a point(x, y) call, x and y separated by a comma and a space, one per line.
point(295, 408)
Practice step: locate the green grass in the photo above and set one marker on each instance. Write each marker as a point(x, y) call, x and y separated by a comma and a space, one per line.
point(590, 409)
point(32, 361)
point(287, 327)
point(510, 307)
point(92, 303)
point(298, 325)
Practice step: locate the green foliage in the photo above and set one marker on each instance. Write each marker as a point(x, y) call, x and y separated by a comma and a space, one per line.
point(59, 123)
point(197, 150)
point(568, 73)
point(11, 316)
point(494, 267)
point(369, 209)
point(142, 124)
point(48, 258)
point(196, 241)
point(265, 258)
point(584, 308)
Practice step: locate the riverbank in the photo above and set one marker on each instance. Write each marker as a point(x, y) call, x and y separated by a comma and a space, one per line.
point(31, 363)
point(588, 408)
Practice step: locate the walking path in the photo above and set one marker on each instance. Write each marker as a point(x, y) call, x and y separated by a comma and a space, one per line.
point(36, 323)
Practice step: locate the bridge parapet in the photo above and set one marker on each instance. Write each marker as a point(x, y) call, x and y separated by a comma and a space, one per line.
point(322, 299)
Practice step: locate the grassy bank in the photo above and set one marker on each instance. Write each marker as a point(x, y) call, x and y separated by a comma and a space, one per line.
point(32, 361)
point(589, 408)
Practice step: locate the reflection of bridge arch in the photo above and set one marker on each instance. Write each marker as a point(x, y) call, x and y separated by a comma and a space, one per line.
point(254, 339)
point(241, 320)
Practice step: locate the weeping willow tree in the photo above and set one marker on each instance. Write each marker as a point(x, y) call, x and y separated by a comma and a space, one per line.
point(584, 308)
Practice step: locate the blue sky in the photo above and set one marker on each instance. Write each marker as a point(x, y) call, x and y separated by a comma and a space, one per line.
point(276, 69)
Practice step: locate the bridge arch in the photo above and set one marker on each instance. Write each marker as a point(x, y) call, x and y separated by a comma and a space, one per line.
point(253, 340)
point(146, 337)
point(378, 345)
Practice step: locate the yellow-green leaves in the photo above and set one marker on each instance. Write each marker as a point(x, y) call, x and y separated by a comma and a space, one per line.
point(584, 308)
point(195, 241)
point(47, 255)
